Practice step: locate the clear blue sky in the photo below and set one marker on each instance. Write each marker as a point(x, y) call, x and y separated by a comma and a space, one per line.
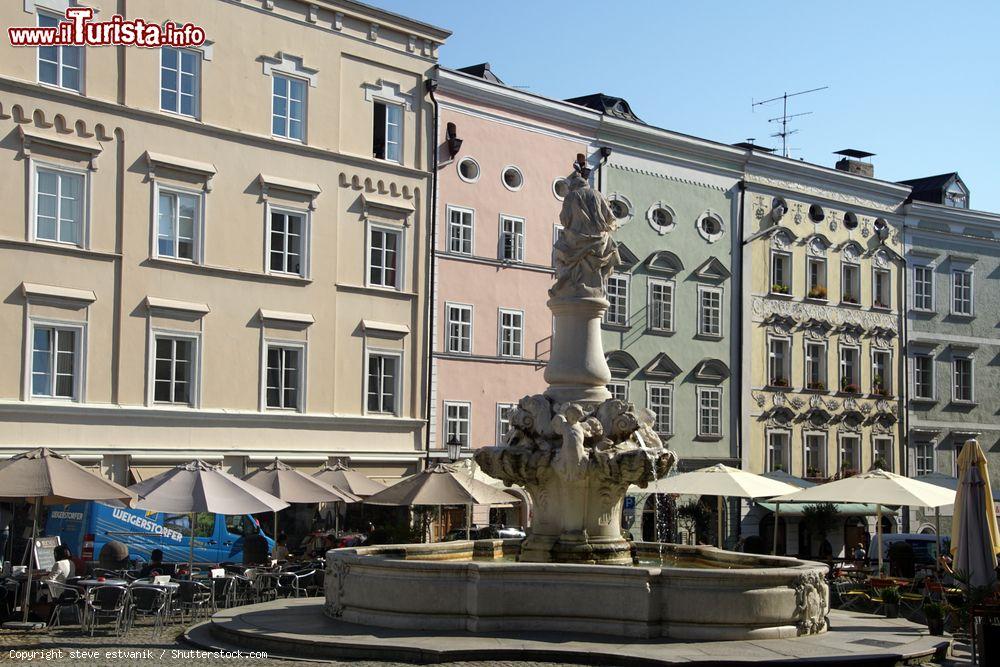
point(915, 82)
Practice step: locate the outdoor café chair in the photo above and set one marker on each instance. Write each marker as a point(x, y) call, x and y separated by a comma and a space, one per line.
point(848, 596)
point(148, 602)
point(194, 597)
point(222, 590)
point(64, 597)
point(286, 584)
point(109, 602)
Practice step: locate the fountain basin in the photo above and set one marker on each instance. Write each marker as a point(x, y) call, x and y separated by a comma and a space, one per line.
point(470, 586)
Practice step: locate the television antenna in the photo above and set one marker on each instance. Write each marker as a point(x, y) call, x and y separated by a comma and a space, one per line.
point(785, 117)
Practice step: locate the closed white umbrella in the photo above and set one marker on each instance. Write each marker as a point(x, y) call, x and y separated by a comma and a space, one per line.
point(285, 482)
point(349, 480)
point(722, 481)
point(975, 542)
point(879, 487)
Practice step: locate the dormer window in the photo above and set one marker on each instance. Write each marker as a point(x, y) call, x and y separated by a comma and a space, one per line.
point(956, 196)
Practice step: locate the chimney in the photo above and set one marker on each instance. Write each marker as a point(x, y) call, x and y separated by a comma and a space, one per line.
point(853, 162)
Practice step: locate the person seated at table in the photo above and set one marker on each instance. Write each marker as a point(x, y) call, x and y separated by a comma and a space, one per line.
point(113, 556)
point(155, 565)
point(281, 548)
point(860, 554)
point(255, 550)
point(62, 570)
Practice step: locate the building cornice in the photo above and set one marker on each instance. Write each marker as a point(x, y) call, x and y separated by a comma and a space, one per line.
point(384, 17)
point(950, 215)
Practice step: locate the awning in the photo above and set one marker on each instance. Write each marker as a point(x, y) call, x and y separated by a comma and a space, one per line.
point(844, 509)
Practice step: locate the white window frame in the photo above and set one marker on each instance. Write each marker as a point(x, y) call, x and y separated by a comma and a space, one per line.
point(400, 254)
point(501, 328)
point(855, 284)
point(769, 449)
point(305, 83)
point(35, 166)
point(627, 280)
point(822, 281)
point(888, 460)
point(59, 62)
point(302, 348)
point(196, 102)
point(390, 104)
point(618, 386)
point(807, 364)
point(887, 376)
point(397, 383)
point(194, 393)
point(841, 365)
point(929, 268)
point(518, 238)
point(79, 362)
point(702, 319)
point(929, 356)
point(470, 228)
point(841, 450)
point(501, 421)
point(786, 364)
point(650, 386)
point(197, 253)
point(785, 258)
point(886, 275)
point(703, 393)
point(954, 379)
point(972, 292)
point(467, 419)
point(448, 306)
point(824, 444)
point(929, 455)
point(670, 288)
point(305, 242)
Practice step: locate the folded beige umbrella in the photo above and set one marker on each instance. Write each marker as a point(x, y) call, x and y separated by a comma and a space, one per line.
point(349, 480)
point(442, 485)
point(42, 476)
point(975, 541)
point(285, 482)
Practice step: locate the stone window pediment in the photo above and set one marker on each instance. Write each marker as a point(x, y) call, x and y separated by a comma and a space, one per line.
point(712, 270)
point(818, 244)
point(621, 364)
point(851, 251)
point(712, 370)
point(628, 258)
point(664, 262)
point(283, 63)
point(782, 238)
point(662, 367)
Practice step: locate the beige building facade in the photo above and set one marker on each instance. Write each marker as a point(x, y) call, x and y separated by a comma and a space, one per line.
point(218, 252)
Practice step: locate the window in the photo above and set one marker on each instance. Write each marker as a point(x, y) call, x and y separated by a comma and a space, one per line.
point(816, 366)
point(881, 289)
point(383, 382)
point(882, 452)
point(459, 333)
point(882, 372)
point(468, 170)
point(617, 289)
point(511, 239)
point(817, 278)
point(560, 188)
point(59, 206)
point(512, 178)
point(710, 412)
point(815, 455)
point(961, 302)
point(383, 257)
point(850, 283)
point(460, 231)
point(287, 243)
point(923, 458)
point(962, 384)
point(778, 451)
point(850, 454)
point(178, 225)
point(781, 273)
point(619, 390)
point(288, 108)
point(660, 402)
point(284, 377)
point(661, 305)
point(456, 422)
point(387, 140)
point(779, 362)
point(923, 288)
point(504, 411)
point(956, 196)
point(923, 376)
point(179, 85)
point(511, 333)
point(204, 524)
point(850, 370)
point(60, 66)
point(710, 311)
point(55, 354)
point(173, 370)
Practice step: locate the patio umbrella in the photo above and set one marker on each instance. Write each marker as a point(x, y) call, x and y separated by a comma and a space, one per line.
point(285, 482)
point(948, 482)
point(441, 485)
point(722, 481)
point(42, 476)
point(879, 487)
point(348, 480)
point(782, 476)
point(974, 539)
point(202, 487)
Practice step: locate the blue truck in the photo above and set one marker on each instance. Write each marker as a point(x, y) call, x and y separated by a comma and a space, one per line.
point(85, 527)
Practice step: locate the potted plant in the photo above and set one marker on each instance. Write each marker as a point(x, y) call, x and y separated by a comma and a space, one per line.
point(934, 613)
point(879, 304)
point(847, 469)
point(848, 386)
point(812, 473)
point(878, 388)
point(890, 599)
point(779, 382)
point(817, 292)
point(850, 298)
point(779, 288)
point(879, 464)
point(817, 386)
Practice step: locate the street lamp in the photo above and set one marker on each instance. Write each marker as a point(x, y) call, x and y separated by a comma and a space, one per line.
point(454, 448)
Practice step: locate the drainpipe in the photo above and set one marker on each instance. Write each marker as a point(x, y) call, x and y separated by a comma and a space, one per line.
point(904, 388)
point(737, 298)
point(430, 85)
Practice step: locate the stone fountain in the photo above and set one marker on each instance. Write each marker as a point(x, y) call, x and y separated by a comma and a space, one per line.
point(576, 451)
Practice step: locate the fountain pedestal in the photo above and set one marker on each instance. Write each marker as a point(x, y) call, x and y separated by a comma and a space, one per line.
point(577, 370)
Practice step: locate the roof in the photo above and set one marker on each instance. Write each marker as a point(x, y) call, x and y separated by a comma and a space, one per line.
point(930, 188)
point(854, 153)
point(483, 71)
point(607, 104)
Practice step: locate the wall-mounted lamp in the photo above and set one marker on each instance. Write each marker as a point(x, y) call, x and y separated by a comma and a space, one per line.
point(605, 152)
point(452, 140)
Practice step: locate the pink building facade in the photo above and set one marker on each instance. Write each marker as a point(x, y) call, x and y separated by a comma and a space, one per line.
point(502, 156)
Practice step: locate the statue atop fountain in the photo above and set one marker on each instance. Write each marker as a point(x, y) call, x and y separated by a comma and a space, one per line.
point(574, 448)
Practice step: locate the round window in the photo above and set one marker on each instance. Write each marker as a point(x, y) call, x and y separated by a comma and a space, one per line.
point(816, 213)
point(560, 188)
point(662, 217)
point(619, 208)
point(468, 170)
point(710, 227)
point(850, 220)
point(512, 178)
